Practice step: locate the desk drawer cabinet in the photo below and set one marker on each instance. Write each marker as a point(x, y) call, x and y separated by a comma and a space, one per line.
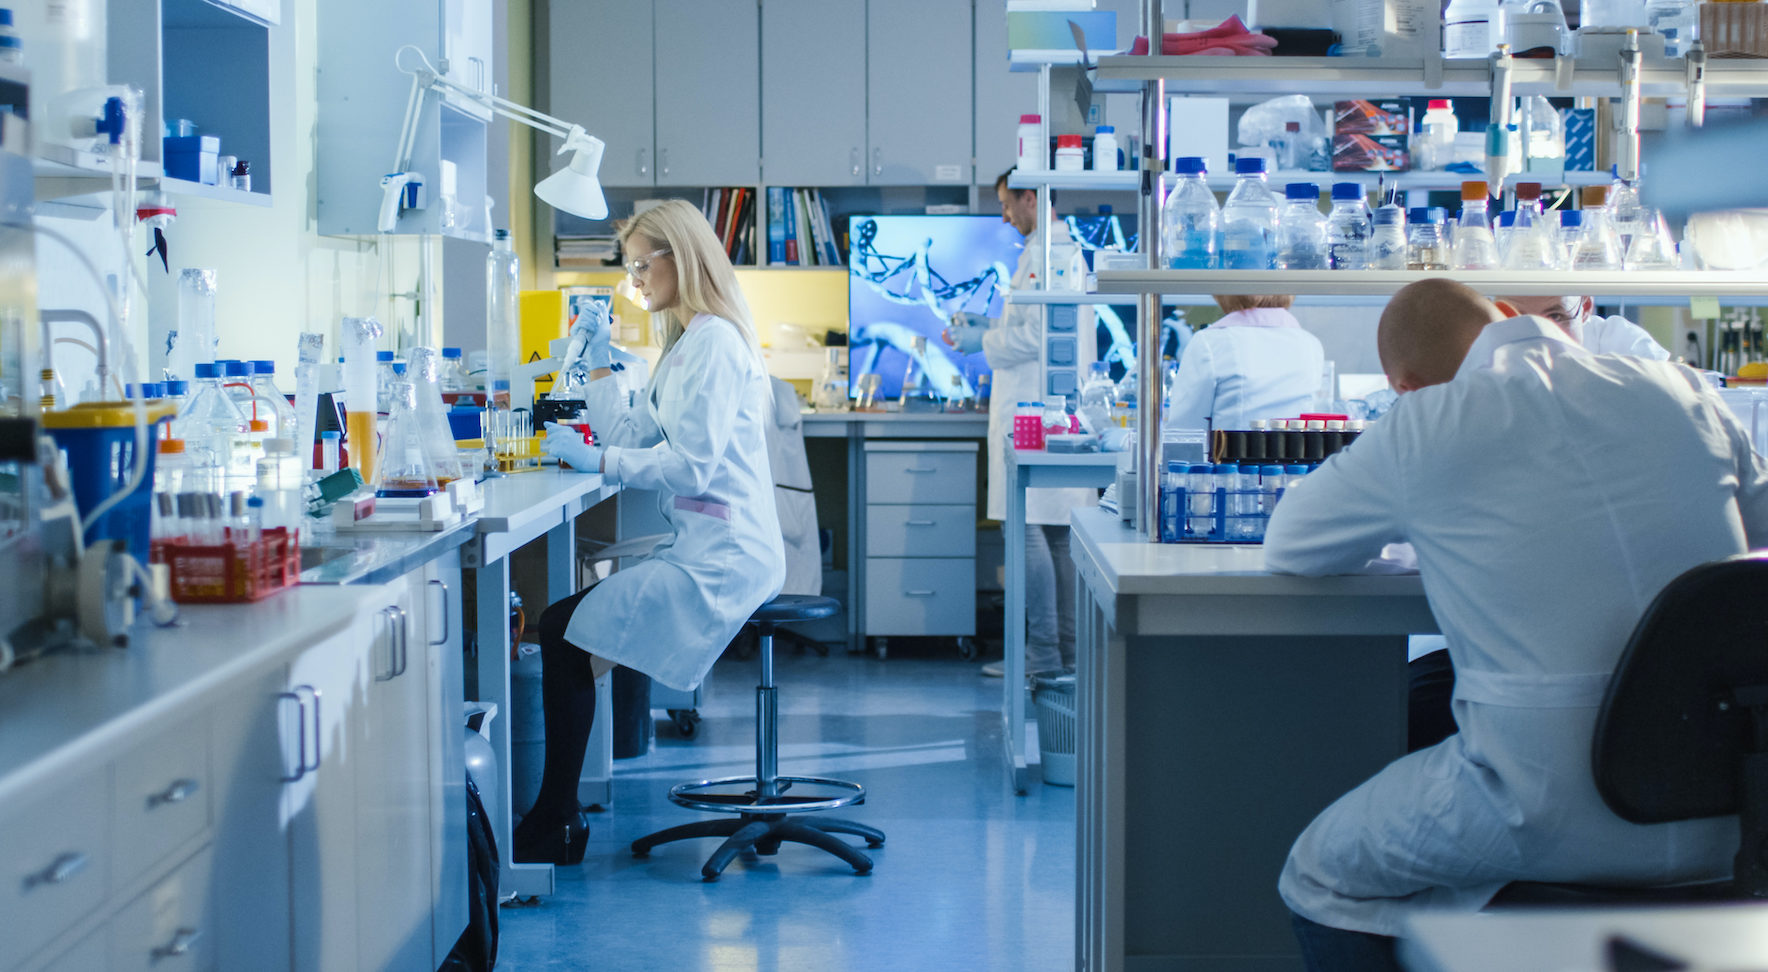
point(162, 798)
point(920, 539)
point(55, 863)
point(170, 926)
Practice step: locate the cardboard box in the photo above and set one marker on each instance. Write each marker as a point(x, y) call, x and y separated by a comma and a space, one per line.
point(1362, 117)
point(1370, 153)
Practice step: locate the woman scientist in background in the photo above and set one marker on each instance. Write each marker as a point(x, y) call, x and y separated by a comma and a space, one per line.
point(698, 439)
point(1254, 363)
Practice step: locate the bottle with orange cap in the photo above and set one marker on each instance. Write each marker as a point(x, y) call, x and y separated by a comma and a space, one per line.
point(1474, 247)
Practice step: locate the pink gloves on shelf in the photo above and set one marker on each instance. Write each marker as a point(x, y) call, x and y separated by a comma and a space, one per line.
point(1230, 37)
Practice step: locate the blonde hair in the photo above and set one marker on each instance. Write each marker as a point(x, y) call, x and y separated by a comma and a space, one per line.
point(1229, 303)
point(705, 283)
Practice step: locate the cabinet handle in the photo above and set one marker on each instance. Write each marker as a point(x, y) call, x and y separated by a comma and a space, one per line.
point(662, 162)
point(178, 792)
point(446, 633)
point(853, 159)
point(478, 72)
point(920, 523)
point(59, 871)
point(404, 636)
point(878, 162)
point(920, 469)
point(644, 167)
point(318, 756)
point(392, 671)
point(182, 941)
point(300, 735)
point(918, 593)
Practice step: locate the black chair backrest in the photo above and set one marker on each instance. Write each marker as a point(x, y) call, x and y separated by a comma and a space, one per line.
point(1672, 733)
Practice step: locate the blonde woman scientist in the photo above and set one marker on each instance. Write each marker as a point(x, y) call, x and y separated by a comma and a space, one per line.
point(698, 438)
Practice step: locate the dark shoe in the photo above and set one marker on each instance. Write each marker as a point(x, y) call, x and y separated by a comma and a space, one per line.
point(563, 843)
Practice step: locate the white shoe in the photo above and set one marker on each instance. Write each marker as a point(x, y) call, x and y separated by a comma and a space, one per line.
point(995, 670)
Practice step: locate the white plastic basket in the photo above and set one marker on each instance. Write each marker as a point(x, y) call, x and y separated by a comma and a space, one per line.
point(1052, 697)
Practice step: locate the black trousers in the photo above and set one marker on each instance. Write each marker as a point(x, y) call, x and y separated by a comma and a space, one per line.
point(567, 694)
point(1429, 719)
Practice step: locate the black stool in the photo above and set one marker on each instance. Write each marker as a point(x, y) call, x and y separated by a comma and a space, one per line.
point(766, 812)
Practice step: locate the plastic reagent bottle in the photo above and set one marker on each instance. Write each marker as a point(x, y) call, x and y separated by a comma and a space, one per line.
point(1348, 228)
point(1599, 247)
point(1531, 244)
point(209, 427)
point(1425, 248)
point(1105, 149)
point(1387, 240)
point(1467, 27)
point(1190, 220)
point(454, 373)
point(1301, 229)
point(264, 384)
point(1475, 248)
point(1435, 147)
point(1249, 220)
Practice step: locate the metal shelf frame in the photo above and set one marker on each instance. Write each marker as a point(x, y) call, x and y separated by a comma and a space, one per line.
point(1630, 285)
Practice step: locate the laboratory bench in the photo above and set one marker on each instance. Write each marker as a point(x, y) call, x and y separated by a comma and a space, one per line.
point(1220, 707)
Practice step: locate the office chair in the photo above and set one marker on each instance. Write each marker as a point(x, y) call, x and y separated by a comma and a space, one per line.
point(767, 812)
point(1683, 730)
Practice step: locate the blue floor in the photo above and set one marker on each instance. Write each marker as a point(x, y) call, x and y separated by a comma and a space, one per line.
point(971, 877)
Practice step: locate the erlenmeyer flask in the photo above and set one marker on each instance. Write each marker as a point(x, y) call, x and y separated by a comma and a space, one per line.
point(425, 372)
point(1651, 248)
point(403, 469)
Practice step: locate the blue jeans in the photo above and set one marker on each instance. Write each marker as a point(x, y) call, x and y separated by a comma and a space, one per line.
point(1326, 949)
point(1049, 599)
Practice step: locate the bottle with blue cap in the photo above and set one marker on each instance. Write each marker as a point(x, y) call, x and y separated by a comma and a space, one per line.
point(264, 386)
point(1249, 220)
point(453, 376)
point(1190, 220)
point(1301, 229)
point(1426, 247)
point(383, 381)
point(1387, 239)
point(209, 426)
point(1105, 153)
point(1348, 228)
point(12, 47)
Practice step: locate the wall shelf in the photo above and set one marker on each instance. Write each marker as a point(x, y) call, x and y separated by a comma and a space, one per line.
point(1130, 181)
point(1613, 284)
point(182, 187)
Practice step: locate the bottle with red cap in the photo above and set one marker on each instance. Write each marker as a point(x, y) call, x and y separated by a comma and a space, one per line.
point(1474, 247)
point(1070, 154)
point(1435, 147)
point(1031, 147)
point(1533, 245)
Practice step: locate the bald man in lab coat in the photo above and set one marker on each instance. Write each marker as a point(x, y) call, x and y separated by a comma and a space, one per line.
point(1550, 494)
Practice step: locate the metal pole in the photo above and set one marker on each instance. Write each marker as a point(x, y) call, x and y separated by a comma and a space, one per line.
point(1148, 384)
point(1697, 85)
point(1631, 98)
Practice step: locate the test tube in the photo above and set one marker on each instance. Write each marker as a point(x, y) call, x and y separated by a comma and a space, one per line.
point(1293, 473)
point(236, 518)
point(254, 519)
point(1276, 440)
point(1199, 500)
point(1334, 438)
point(1172, 495)
point(328, 452)
point(1255, 440)
point(1225, 474)
point(1294, 448)
point(1313, 442)
point(1246, 500)
point(1352, 429)
point(1270, 485)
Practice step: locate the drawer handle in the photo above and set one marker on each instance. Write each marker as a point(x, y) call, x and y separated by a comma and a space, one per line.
point(183, 940)
point(443, 587)
point(921, 469)
point(178, 792)
point(300, 734)
point(920, 523)
point(919, 593)
point(59, 870)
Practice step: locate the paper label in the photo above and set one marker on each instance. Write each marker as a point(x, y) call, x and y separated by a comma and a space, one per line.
point(948, 173)
point(1703, 308)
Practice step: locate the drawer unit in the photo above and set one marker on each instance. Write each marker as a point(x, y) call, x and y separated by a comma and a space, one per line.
point(92, 952)
point(946, 477)
point(920, 596)
point(168, 928)
point(921, 531)
point(54, 863)
point(162, 800)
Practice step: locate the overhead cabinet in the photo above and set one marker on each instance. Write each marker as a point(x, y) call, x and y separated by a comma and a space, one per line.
point(670, 85)
point(861, 93)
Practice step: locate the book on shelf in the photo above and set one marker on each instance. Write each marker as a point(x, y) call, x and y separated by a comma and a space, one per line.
point(776, 224)
point(793, 248)
point(586, 252)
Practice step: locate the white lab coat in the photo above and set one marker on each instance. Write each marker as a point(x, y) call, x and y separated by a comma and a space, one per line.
point(1014, 348)
point(1251, 364)
point(1617, 335)
point(699, 438)
point(793, 498)
point(1550, 494)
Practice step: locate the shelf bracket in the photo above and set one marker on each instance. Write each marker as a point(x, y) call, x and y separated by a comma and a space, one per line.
point(1697, 85)
point(1632, 96)
point(1433, 71)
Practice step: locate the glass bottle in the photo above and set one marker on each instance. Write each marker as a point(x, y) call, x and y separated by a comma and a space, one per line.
point(1599, 246)
point(210, 426)
point(503, 272)
point(1531, 247)
point(1475, 248)
point(1348, 228)
point(1190, 220)
point(1249, 220)
point(1425, 247)
point(1387, 240)
point(1301, 229)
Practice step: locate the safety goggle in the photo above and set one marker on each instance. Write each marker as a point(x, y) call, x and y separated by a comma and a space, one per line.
point(641, 266)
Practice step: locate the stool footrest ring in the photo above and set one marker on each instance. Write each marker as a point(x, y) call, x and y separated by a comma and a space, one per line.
point(700, 795)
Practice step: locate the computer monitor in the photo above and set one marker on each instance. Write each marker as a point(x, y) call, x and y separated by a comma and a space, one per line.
point(906, 275)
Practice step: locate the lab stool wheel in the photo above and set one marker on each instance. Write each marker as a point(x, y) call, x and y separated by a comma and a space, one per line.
point(687, 721)
point(966, 648)
point(881, 648)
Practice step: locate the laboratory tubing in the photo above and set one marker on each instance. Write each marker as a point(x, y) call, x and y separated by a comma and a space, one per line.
point(1301, 229)
point(1249, 220)
point(328, 450)
point(1031, 147)
point(1531, 245)
point(1387, 240)
point(1070, 154)
point(1348, 228)
point(1105, 149)
point(503, 272)
point(1190, 219)
point(1028, 426)
point(1475, 248)
point(1599, 245)
point(1426, 247)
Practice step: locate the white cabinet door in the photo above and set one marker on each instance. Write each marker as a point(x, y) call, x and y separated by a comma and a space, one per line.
point(254, 749)
point(1001, 96)
point(390, 740)
point(466, 43)
point(708, 102)
point(266, 11)
point(444, 670)
point(918, 105)
point(599, 76)
point(813, 92)
point(328, 686)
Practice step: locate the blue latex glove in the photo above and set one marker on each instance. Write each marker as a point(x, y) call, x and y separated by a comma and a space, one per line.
point(964, 336)
point(591, 329)
point(566, 445)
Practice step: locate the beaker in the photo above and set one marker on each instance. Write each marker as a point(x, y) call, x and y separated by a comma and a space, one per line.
point(425, 374)
point(403, 469)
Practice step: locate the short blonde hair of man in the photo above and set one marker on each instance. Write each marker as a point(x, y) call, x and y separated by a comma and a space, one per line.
point(705, 282)
point(1229, 303)
point(1426, 329)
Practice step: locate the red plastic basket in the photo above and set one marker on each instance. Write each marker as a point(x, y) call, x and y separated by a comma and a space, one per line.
point(228, 573)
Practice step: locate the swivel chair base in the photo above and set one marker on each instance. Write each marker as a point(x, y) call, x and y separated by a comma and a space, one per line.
point(763, 833)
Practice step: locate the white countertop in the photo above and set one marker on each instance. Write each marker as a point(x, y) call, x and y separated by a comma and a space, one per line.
point(512, 501)
point(72, 709)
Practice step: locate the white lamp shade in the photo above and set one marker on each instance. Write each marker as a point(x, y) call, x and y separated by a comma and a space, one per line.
point(575, 188)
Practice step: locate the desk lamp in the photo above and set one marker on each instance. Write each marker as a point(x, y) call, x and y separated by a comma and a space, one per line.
point(574, 188)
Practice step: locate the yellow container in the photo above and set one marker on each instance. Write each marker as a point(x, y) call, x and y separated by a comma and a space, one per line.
point(543, 322)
